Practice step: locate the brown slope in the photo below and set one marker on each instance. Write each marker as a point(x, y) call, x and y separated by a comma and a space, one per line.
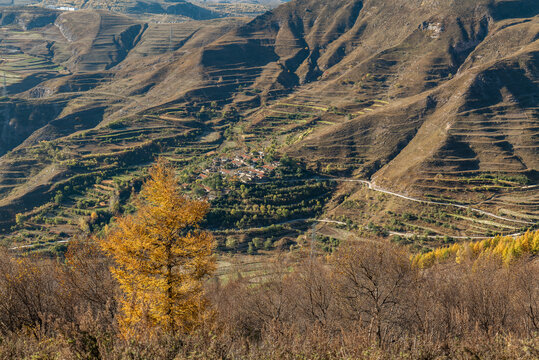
point(99, 40)
point(267, 53)
point(108, 54)
point(492, 128)
point(419, 67)
point(424, 61)
point(306, 41)
point(423, 96)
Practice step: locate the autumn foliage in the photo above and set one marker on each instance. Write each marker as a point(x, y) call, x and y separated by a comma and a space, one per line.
point(160, 257)
point(506, 248)
point(146, 282)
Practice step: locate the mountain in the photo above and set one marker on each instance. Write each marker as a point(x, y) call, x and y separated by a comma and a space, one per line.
point(174, 7)
point(432, 103)
point(159, 10)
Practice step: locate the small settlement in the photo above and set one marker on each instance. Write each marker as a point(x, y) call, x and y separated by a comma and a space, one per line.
point(246, 168)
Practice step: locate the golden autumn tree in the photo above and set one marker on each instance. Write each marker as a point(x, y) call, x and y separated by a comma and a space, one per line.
point(161, 257)
point(506, 248)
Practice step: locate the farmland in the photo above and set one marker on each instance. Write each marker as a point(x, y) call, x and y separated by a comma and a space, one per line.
point(377, 135)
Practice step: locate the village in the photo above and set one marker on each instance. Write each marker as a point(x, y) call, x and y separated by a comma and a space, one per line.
point(243, 167)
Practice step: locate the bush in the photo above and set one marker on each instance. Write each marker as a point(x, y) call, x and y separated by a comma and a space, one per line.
point(268, 244)
point(251, 249)
point(258, 243)
point(366, 301)
point(231, 242)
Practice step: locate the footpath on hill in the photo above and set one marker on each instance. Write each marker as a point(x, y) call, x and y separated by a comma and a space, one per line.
point(374, 187)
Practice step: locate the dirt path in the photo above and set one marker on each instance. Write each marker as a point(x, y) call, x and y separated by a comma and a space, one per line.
point(379, 189)
point(410, 198)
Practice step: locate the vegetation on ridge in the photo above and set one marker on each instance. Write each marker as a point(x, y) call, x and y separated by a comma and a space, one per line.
point(507, 248)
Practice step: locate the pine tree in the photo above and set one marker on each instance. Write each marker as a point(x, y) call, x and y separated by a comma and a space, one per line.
point(161, 257)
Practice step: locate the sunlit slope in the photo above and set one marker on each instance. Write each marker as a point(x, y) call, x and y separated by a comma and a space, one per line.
point(427, 100)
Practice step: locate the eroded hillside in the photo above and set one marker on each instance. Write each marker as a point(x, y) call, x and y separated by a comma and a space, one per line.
point(433, 104)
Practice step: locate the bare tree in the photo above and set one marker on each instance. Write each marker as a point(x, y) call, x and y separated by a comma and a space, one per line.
point(373, 282)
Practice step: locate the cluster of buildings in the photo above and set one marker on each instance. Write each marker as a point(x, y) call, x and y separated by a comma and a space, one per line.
point(246, 168)
point(61, 8)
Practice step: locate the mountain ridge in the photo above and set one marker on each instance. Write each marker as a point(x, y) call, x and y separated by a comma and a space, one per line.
point(434, 99)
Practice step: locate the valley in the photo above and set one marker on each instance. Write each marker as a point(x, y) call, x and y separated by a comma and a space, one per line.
point(269, 179)
point(409, 120)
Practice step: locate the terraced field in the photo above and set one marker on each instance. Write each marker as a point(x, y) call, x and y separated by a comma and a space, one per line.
point(84, 179)
point(434, 221)
point(422, 127)
point(89, 169)
point(17, 67)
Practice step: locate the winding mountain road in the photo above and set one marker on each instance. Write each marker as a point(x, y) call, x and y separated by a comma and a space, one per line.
point(374, 187)
point(479, 211)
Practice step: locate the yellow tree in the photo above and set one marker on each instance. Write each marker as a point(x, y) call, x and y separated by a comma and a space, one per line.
point(161, 257)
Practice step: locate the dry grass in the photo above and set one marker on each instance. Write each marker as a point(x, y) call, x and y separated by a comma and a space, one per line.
point(366, 302)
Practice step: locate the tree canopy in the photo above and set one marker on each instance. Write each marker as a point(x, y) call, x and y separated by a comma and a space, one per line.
point(161, 256)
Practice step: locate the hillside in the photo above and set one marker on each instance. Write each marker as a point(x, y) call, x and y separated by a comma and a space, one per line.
point(431, 104)
point(159, 10)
